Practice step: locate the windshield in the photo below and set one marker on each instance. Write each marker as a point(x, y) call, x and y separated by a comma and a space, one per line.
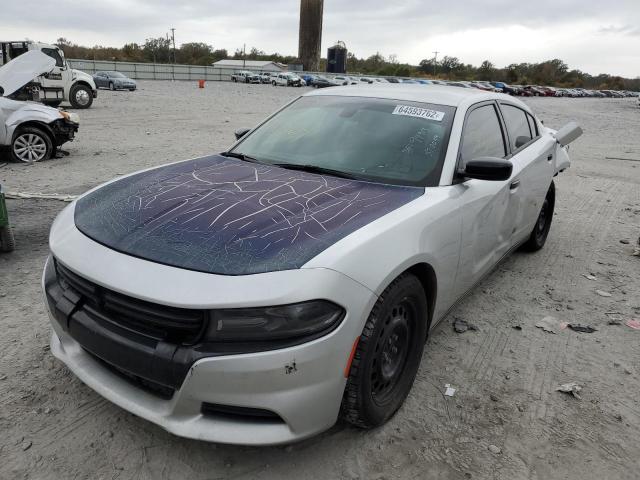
point(116, 75)
point(389, 141)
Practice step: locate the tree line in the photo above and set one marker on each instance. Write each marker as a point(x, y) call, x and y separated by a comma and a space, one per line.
point(551, 72)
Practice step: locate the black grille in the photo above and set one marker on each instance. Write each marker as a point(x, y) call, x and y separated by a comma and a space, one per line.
point(157, 389)
point(169, 324)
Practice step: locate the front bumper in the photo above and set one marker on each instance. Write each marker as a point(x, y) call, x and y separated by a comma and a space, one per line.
point(64, 131)
point(302, 384)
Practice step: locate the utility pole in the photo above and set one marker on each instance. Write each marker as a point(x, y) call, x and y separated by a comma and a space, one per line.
point(435, 62)
point(244, 56)
point(173, 40)
point(310, 34)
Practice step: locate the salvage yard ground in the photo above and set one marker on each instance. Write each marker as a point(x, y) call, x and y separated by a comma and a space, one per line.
point(505, 420)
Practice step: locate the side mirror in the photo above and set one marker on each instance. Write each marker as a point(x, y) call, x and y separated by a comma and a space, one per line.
point(241, 132)
point(568, 133)
point(523, 140)
point(487, 168)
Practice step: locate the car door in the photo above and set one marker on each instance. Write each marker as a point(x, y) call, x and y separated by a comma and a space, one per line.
point(533, 166)
point(487, 208)
point(99, 79)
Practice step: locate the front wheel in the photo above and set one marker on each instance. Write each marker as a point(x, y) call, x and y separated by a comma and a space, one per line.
point(31, 144)
point(538, 236)
point(7, 240)
point(80, 96)
point(388, 354)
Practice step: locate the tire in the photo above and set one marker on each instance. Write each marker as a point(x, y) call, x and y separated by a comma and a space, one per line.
point(388, 354)
point(31, 144)
point(538, 236)
point(80, 96)
point(7, 240)
point(233, 80)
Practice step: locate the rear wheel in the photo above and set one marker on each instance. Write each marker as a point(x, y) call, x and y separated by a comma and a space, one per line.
point(7, 240)
point(538, 236)
point(31, 144)
point(388, 354)
point(80, 96)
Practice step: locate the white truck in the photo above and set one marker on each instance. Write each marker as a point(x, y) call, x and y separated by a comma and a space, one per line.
point(62, 83)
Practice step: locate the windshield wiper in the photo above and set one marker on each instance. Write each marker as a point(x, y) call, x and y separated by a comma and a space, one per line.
point(241, 156)
point(316, 169)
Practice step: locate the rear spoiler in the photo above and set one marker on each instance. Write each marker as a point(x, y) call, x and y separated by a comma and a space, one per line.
point(567, 134)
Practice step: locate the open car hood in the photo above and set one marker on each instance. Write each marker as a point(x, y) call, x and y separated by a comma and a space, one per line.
point(225, 216)
point(23, 69)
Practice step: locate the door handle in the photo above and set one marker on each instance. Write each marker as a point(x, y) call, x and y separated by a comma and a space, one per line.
point(550, 157)
point(514, 185)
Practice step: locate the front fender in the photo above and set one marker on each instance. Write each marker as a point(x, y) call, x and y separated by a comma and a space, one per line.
point(424, 231)
point(33, 113)
point(82, 77)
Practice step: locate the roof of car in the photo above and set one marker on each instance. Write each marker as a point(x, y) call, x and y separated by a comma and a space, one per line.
point(437, 94)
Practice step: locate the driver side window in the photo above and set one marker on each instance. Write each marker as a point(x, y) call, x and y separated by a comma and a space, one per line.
point(482, 135)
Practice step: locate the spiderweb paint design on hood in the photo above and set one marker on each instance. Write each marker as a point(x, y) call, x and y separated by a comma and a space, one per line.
point(226, 216)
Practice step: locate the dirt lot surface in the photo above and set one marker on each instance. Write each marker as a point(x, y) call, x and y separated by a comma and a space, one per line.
point(505, 421)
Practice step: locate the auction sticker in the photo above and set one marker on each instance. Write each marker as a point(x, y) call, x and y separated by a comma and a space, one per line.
point(418, 112)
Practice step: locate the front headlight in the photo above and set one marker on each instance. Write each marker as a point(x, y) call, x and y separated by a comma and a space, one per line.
point(273, 323)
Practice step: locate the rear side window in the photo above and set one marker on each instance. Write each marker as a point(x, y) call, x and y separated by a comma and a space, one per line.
point(482, 135)
point(517, 125)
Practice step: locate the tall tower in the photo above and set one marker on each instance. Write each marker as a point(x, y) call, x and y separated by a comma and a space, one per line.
point(310, 39)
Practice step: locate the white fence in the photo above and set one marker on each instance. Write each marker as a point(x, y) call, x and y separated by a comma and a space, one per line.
point(157, 71)
point(165, 71)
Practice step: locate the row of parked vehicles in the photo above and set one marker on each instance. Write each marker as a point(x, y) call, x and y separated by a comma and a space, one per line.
point(324, 81)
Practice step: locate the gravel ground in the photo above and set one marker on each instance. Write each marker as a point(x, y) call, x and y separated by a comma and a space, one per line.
point(505, 421)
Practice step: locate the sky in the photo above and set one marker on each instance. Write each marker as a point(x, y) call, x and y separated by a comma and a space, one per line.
point(590, 35)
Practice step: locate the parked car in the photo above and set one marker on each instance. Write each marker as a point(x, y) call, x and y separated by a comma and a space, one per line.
point(534, 91)
point(288, 79)
point(282, 320)
point(265, 77)
point(114, 81)
point(482, 86)
point(7, 240)
point(320, 81)
point(458, 84)
point(31, 131)
point(246, 76)
point(308, 78)
point(508, 89)
point(345, 80)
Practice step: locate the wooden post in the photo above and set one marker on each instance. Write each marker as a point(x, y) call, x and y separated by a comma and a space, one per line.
point(310, 38)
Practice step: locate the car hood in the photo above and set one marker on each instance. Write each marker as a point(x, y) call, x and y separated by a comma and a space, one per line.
point(23, 69)
point(27, 110)
point(225, 216)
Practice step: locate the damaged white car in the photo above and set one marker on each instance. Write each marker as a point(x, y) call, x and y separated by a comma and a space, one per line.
point(30, 130)
point(256, 295)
